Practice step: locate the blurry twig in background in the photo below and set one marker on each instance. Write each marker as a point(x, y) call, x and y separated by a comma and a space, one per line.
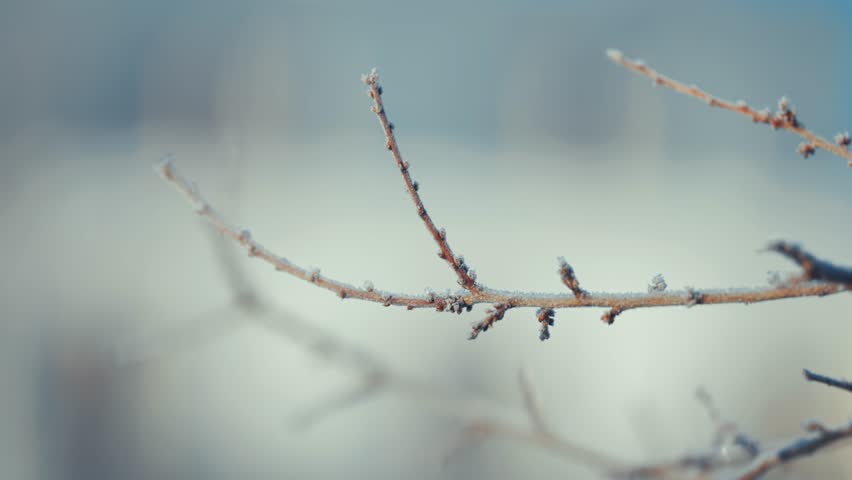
point(785, 118)
point(819, 437)
point(732, 449)
point(815, 377)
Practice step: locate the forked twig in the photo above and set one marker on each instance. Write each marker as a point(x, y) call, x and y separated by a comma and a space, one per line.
point(819, 278)
point(785, 118)
point(761, 460)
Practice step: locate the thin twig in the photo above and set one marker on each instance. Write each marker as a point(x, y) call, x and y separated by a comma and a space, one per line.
point(831, 382)
point(785, 118)
point(531, 404)
point(467, 278)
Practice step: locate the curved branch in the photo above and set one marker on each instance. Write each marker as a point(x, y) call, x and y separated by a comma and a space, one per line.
point(467, 278)
point(784, 118)
point(459, 302)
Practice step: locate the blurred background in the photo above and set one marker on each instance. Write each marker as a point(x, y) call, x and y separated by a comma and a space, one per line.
point(133, 346)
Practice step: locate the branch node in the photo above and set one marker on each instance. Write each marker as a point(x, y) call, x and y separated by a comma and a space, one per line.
point(693, 297)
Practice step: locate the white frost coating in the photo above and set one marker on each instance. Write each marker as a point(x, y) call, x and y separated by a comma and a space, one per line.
point(614, 54)
point(370, 78)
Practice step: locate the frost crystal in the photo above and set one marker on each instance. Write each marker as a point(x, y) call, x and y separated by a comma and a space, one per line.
point(658, 284)
point(615, 55)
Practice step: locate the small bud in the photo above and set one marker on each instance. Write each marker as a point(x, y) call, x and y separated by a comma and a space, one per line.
point(806, 149)
point(842, 139)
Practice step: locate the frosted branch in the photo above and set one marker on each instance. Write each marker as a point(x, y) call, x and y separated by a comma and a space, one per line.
point(819, 278)
point(466, 277)
point(784, 118)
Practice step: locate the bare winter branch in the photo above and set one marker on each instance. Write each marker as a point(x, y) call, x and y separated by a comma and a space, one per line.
point(785, 118)
point(820, 278)
point(464, 301)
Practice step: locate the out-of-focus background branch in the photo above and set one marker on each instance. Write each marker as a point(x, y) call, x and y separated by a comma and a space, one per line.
point(525, 139)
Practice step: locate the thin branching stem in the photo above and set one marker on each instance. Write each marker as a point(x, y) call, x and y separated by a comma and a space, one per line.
point(784, 118)
point(819, 438)
point(819, 277)
point(464, 299)
point(466, 278)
